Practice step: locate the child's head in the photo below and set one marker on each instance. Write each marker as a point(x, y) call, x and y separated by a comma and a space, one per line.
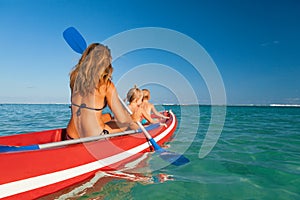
point(135, 95)
point(146, 94)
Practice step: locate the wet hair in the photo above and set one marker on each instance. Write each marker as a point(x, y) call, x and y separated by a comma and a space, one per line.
point(146, 94)
point(93, 68)
point(133, 94)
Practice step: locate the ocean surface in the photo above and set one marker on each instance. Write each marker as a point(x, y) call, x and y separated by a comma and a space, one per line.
point(257, 155)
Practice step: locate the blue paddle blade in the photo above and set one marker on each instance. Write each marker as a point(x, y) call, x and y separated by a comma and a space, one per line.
point(171, 157)
point(174, 158)
point(74, 40)
point(18, 148)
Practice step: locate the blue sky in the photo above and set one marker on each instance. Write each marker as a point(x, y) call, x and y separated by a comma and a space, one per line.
point(254, 44)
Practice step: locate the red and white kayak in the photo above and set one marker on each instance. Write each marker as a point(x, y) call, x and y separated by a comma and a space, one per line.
point(29, 174)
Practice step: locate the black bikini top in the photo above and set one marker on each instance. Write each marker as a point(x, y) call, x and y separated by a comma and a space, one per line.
point(83, 105)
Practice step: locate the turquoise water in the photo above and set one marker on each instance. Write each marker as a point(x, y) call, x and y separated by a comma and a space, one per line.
point(256, 157)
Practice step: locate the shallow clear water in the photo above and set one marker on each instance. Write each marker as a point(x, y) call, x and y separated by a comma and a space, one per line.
point(256, 157)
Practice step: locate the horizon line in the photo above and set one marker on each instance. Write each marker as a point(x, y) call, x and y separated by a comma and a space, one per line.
point(175, 104)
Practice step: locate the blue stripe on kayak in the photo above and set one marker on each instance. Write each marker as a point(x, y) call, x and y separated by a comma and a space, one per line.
point(150, 127)
point(18, 148)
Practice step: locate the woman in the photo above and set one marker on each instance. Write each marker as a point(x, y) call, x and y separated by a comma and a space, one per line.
point(91, 91)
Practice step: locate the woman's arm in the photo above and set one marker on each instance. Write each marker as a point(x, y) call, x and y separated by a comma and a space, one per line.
point(120, 114)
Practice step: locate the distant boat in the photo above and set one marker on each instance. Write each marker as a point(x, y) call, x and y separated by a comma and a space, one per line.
point(285, 105)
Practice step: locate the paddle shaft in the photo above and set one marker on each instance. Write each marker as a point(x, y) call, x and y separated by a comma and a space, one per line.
point(86, 139)
point(148, 136)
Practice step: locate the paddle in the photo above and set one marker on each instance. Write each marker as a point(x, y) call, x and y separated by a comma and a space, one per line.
point(171, 157)
point(4, 148)
point(75, 40)
point(78, 44)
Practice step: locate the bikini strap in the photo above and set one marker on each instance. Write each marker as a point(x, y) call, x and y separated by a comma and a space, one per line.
point(83, 105)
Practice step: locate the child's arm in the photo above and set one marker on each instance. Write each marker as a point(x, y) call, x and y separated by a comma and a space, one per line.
point(153, 109)
point(148, 117)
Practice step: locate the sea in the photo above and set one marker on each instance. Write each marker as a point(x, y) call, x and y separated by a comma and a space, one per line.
point(255, 155)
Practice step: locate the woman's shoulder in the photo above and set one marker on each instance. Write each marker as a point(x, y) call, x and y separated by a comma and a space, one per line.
point(109, 86)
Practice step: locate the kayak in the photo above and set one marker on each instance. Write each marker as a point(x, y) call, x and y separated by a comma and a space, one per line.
point(29, 173)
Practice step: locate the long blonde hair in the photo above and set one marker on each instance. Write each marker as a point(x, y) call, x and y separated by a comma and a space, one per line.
point(93, 68)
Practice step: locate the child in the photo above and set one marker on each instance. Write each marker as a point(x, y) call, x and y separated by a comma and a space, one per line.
point(135, 97)
point(149, 107)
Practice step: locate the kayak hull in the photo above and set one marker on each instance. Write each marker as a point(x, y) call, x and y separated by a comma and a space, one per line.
point(36, 173)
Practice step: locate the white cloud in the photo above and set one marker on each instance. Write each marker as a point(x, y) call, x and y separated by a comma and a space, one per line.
point(274, 42)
